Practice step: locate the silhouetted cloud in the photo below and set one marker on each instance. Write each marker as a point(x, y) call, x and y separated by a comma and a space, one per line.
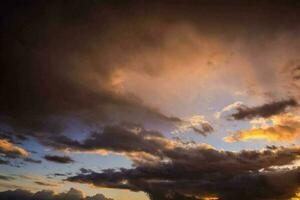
point(228, 175)
point(59, 159)
point(128, 139)
point(72, 194)
point(266, 110)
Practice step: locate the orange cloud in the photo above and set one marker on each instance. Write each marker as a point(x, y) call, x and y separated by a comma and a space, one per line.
point(8, 148)
point(284, 128)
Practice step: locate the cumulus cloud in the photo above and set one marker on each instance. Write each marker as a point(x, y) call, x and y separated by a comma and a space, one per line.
point(72, 194)
point(281, 128)
point(59, 159)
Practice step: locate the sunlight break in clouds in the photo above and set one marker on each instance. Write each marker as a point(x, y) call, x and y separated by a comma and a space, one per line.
point(282, 128)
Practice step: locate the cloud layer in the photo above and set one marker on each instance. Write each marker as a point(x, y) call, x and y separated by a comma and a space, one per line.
point(72, 194)
point(227, 175)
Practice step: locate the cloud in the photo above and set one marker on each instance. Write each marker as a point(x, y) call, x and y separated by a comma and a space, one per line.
point(31, 160)
point(228, 110)
point(64, 64)
point(11, 150)
point(128, 139)
point(83, 79)
point(229, 175)
point(197, 123)
point(4, 162)
point(45, 184)
point(283, 128)
point(74, 81)
point(265, 110)
point(59, 159)
point(6, 178)
point(72, 194)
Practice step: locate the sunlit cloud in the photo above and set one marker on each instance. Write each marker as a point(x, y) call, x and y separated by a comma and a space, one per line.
point(9, 149)
point(282, 128)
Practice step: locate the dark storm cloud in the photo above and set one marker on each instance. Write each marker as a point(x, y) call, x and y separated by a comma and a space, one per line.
point(60, 59)
point(43, 83)
point(59, 159)
point(72, 194)
point(200, 171)
point(265, 110)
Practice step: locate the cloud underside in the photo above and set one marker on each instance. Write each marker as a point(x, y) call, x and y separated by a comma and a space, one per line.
point(169, 169)
point(199, 171)
point(72, 194)
point(173, 169)
point(266, 110)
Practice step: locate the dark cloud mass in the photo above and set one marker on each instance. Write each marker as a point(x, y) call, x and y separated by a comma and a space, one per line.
point(65, 61)
point(59, 159)
point(123, 138)
point(184, 171)
point(72, 194)
point(265, 110)
point(44, 83)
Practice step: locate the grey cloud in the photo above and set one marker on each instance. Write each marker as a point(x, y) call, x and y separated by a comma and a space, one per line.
point(265, 110)
point(201, 171)
point(59, 159)
point(6, 178)
point(31, 160)
point(123, 138)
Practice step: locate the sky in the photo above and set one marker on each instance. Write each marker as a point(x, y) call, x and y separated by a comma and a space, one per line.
point(150, 100)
